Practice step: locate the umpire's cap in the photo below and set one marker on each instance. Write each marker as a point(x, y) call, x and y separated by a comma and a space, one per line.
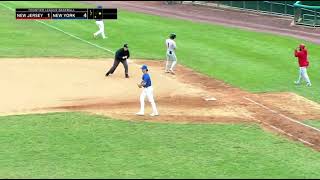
point(173, 36)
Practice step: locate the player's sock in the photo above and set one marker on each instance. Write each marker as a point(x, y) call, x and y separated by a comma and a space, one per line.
point(307, 79)
point(167, 66)
point(173, 64)
point(154, 108)
point(299, 78)
point(305, 76)
point(142, 104)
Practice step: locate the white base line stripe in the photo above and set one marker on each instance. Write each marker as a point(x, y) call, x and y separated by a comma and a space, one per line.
point(280, 130)
point(100, 47)
point(7, 7)
point(53, 27)
point(303, 141)
point(290, 119)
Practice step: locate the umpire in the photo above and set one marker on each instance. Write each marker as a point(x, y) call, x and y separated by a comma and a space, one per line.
point(121, 56)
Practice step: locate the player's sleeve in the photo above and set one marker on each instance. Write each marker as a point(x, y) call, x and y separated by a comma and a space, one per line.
point(297, 53)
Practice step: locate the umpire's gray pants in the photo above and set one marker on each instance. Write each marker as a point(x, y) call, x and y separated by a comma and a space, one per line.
point(115, 65)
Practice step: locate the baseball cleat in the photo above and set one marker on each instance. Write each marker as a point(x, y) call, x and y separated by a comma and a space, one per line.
point(297, 83)
point(154, 114)
point(127, 76)
point(107, 74)
point(166, 71)
point(172, 72)
point(308, 85)
point(140, 113)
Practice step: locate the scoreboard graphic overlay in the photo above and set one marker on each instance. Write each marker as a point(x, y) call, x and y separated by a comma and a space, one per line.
point(64, 13)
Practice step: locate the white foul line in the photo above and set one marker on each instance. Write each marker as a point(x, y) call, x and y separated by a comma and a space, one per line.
point(53, 27)
point(7, 7)
point(75, 36)
point(282, 131)
point(290, 119)
point(286, 133)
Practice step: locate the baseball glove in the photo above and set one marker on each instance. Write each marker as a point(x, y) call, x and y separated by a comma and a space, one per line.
point(141, 84)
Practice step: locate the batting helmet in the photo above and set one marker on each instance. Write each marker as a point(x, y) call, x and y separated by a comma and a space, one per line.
point(173, 36)
point(99, 7)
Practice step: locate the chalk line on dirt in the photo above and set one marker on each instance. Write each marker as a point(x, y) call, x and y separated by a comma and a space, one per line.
point(284, 116)
point(282, 131)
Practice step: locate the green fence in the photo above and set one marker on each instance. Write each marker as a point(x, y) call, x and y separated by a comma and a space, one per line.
point(284, 8)
point(305, 14)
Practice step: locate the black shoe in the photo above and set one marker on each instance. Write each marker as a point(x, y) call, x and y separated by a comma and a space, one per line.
point(107, 74)
point(127, 76)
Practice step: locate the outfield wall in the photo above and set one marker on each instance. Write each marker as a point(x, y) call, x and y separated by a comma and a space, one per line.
point(303, 16)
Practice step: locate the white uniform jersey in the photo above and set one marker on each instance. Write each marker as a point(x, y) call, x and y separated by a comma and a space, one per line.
point(171, 45)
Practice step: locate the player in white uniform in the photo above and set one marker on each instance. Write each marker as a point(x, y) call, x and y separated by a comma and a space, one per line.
point(100, 24)
point(171, 55)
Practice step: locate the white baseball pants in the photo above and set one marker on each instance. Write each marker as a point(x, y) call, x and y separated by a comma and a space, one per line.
point(101, 29)
point(147, 92)
point(171, 60)
point(303, 74)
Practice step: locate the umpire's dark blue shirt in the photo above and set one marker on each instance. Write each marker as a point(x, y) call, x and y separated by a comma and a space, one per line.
point(121, 53)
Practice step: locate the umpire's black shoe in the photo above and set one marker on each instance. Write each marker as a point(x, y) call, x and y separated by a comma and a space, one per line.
point(127, 76)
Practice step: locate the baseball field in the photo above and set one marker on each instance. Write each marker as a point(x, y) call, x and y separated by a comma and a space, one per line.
point(60, 117)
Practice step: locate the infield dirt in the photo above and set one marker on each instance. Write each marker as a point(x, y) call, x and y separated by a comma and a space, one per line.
point(41, 85)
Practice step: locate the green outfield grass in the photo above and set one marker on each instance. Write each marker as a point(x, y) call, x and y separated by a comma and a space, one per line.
point(257, 62)
point(313, 123)
point(76, 145)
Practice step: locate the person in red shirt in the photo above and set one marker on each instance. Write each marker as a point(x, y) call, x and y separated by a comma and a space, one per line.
point(302, 55)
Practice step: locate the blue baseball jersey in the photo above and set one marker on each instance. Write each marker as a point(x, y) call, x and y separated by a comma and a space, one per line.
point(146, 78)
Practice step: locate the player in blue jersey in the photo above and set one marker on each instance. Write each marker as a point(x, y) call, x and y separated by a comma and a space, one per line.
point(146, 92)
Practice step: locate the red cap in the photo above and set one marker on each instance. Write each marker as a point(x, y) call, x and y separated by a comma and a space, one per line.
point(302, 46)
